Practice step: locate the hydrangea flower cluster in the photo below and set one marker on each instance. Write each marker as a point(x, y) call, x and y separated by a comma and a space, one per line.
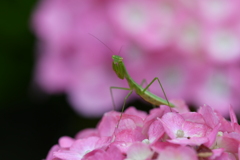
point(162, 134)
point(190, 44)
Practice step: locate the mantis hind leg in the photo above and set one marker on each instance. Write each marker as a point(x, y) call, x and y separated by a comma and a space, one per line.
point(156, 78)
point(145, 81)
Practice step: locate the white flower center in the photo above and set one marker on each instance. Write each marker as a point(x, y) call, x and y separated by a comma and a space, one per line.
point(146, 141)
point(180, 133)
point(220, 134)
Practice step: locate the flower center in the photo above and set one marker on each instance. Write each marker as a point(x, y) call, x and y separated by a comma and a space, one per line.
point(180, 133)
point(146, 141)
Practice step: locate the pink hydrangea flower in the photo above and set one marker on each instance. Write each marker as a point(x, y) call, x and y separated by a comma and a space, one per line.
point(191, 44)
point(163, 134)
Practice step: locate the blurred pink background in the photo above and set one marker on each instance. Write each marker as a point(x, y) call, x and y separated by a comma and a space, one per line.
point(191, 45)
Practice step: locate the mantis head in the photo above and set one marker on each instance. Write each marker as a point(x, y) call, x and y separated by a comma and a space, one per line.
point(118, 66)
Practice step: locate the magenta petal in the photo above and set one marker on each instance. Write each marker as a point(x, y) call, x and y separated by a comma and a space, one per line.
point(130, 135)
point(154, 113)
point(66, 154)
point(127, 137)
point(115, 153)
point(173, 119)
point(172, 122)
point(225, 125)
point(228, 143)
point(107, 125)
point(155, 131)
point(193, 117)
point(178, 153)
point(216, 153)
point(139, 151)
point(239, 151)
point(226, 156)
point(130, 122)
point(212, 136)
point(181, 106)
point(191, 141)
point(209, 115)
point(50, 155)
point(232, 115)
point(87, 133)
point(65, 142)
point(134, 111)
point(194, 129)
point(81, 147)
point(100, 154)
point(160, 146)
point(234, 135)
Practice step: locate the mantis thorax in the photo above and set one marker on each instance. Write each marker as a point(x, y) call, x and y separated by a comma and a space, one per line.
point(118, 66)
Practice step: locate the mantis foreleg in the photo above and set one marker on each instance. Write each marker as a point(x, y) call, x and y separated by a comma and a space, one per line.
point(124, 103)
point(125, 99)
point(114, 106)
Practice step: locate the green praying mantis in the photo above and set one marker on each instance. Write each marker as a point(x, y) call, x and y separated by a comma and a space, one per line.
point(120, 70)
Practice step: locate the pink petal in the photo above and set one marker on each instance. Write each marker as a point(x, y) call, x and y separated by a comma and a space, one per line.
point(194, 129)
point(236, 128)
point(65, 142)
point(110, 120)
point(66, 154)
point(130, 135)
point(179, 153)
point(216, 153)
point(190, 141)
point(50, 155)
point(155, 131)
point(81, 147)
point(193, 117)
point(212, 136)
point(96, 154)
point(108, 123)
point(111, 153)
point(127, 137)
point(226, 156)
point(160, 146)
point(234, 135)
point(87, 133)
point(130, 122)
point(135, 112)
point(172, 122)
point(139, 151)
point(115, 153)
point(228, 143)
point(154, 113)
point(238, 151)
point(181, 106)
point(225, 125)
point(209, 115)
point(232, 115)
